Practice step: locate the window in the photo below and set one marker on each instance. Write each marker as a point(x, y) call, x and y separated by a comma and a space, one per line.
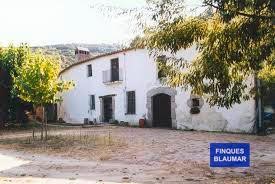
point(115, 69)
point(131, 102)
point(161, 74)
point(195, 106)
point(195, 102)
point(90, 71)
point(160, 61)
point(92, 102)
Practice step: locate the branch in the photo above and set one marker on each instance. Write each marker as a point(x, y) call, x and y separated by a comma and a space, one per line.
point(243, 14)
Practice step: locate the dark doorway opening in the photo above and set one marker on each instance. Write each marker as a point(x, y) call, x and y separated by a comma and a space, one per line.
point(51, 110)
point(108, 109)
point(162, 110)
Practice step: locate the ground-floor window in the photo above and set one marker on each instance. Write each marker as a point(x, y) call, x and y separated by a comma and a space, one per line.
point(92, 102)
point(131, 102)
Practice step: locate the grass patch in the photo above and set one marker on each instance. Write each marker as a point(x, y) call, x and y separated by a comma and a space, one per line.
point(94, 146)
point(13, 127)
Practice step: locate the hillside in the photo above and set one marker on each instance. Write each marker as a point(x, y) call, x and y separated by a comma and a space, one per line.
point(66, 51)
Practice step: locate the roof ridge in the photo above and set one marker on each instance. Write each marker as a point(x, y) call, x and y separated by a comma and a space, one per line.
point(96, 57)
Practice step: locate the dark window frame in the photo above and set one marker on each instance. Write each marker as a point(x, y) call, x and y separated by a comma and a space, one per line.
point(89, 70)
point(160, 72)
point(114, 69)
point(195, 102)
point(92, 102)
point(131, 102)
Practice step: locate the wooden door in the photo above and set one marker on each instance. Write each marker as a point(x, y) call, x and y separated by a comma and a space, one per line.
point(162, 111)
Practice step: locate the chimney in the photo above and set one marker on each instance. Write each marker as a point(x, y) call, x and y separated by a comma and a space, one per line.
point(82, 53)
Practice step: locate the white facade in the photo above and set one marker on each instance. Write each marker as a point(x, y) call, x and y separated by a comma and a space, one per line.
point(138, 72)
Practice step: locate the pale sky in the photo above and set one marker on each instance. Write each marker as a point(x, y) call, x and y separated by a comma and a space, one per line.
point(42, 22)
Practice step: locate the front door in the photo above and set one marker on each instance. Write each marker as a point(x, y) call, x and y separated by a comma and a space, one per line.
point(162, 111)
point(108, 109)
point(114, 70)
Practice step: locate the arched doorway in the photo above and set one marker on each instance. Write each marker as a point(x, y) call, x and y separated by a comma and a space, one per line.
point(171, 93)
point(162, 110)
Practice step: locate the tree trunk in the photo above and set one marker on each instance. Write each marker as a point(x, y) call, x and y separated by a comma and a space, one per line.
point(46, 124)
point(42, 126)
point(4, 106)
point(2, 122)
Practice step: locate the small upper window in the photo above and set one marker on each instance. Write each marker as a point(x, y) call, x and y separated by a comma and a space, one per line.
point(161, 72)
point(90, 71)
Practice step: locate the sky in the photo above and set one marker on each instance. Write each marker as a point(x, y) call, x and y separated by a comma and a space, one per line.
point(45, 22)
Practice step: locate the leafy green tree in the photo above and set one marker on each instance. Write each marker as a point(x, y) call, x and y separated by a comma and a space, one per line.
point(235, 42)
point(37, 80)
point(136, 42)
point(11, 107)
point(4, 96)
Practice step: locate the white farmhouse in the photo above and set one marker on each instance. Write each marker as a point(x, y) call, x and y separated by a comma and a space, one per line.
point(124, 86)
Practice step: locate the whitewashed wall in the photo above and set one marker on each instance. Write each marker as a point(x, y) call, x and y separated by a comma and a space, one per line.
point(140, 75)
point(240, 118)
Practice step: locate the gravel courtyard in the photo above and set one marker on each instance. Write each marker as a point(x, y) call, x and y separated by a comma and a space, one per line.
point(149, 156)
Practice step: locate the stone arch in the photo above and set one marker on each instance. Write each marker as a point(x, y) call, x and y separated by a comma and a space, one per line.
point(166, 90)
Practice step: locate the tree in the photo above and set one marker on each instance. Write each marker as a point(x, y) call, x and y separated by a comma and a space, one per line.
point(4, 96)
point(11, 107)
point(136, 42)
point(235, 42)
point(37, 81)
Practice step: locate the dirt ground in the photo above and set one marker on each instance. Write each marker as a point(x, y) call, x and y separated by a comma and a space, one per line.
point(151, 156)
